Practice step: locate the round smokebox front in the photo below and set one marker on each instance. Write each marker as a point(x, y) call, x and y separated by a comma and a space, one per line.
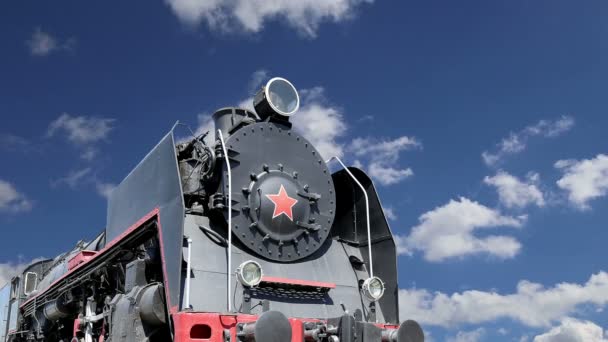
point(283, 193)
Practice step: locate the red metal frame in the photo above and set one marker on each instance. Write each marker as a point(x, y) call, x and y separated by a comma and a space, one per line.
point(184, 322)
point(217, 323)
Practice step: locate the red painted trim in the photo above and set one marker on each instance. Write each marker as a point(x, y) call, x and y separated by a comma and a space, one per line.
point(184, 323)
point(215, 324)
point(80, 258)
point(77, 328)
point(309, 283)
point(108, 246)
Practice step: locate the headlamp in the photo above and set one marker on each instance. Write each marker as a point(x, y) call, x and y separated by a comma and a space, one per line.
point(277, 97)
point(249, 273)
point(373, 288)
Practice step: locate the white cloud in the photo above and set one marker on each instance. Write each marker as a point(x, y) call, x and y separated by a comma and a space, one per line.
point(548, 128)
point(321, 123)
point(14, 143)
point(513, 192)
point(516, 142)
point(468, 336)
point(43, 43)
point(85, 176)
point(104, 189)
point(82, 131)
point(573, 330)
point(584, 180)
point(448, 232)
point(205, 125)
point(383, 157)
point(384, 149)
point(12, 200)
point(251, 15)
point(390, 213)
point(257, 80)
point(387, 175)
point(532, 304)
point(74, 178)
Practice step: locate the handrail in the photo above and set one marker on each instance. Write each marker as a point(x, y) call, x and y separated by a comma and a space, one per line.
point(188, 270)
point(369, 232)
point(228, 171)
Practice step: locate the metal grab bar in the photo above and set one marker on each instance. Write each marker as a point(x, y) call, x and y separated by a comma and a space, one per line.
point(188, 270)
point(369, 232)
point(229, 172)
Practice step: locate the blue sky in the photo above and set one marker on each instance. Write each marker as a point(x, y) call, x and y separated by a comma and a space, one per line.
point(506, 247)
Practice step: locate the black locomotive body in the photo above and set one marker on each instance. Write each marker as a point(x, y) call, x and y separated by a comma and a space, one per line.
point(241, 234)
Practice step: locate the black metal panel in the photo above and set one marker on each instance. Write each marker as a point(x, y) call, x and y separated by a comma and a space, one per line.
point(154, 183)
point(350, 225)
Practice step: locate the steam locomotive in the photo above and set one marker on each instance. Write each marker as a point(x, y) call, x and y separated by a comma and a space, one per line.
point(241, 234)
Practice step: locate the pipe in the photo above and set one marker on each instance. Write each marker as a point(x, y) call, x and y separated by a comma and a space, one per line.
point(188, 270)
point(229, 172)
point(369, 231)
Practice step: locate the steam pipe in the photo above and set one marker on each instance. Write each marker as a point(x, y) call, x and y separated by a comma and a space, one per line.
point(229, 172)
point(369, 231)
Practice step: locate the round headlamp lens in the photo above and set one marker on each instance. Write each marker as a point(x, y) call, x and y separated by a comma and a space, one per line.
point(373, 288)
point(376, 288)
point(250, 273)
point(282, 96)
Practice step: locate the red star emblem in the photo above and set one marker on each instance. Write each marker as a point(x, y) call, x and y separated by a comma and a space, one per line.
point(282, 203)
